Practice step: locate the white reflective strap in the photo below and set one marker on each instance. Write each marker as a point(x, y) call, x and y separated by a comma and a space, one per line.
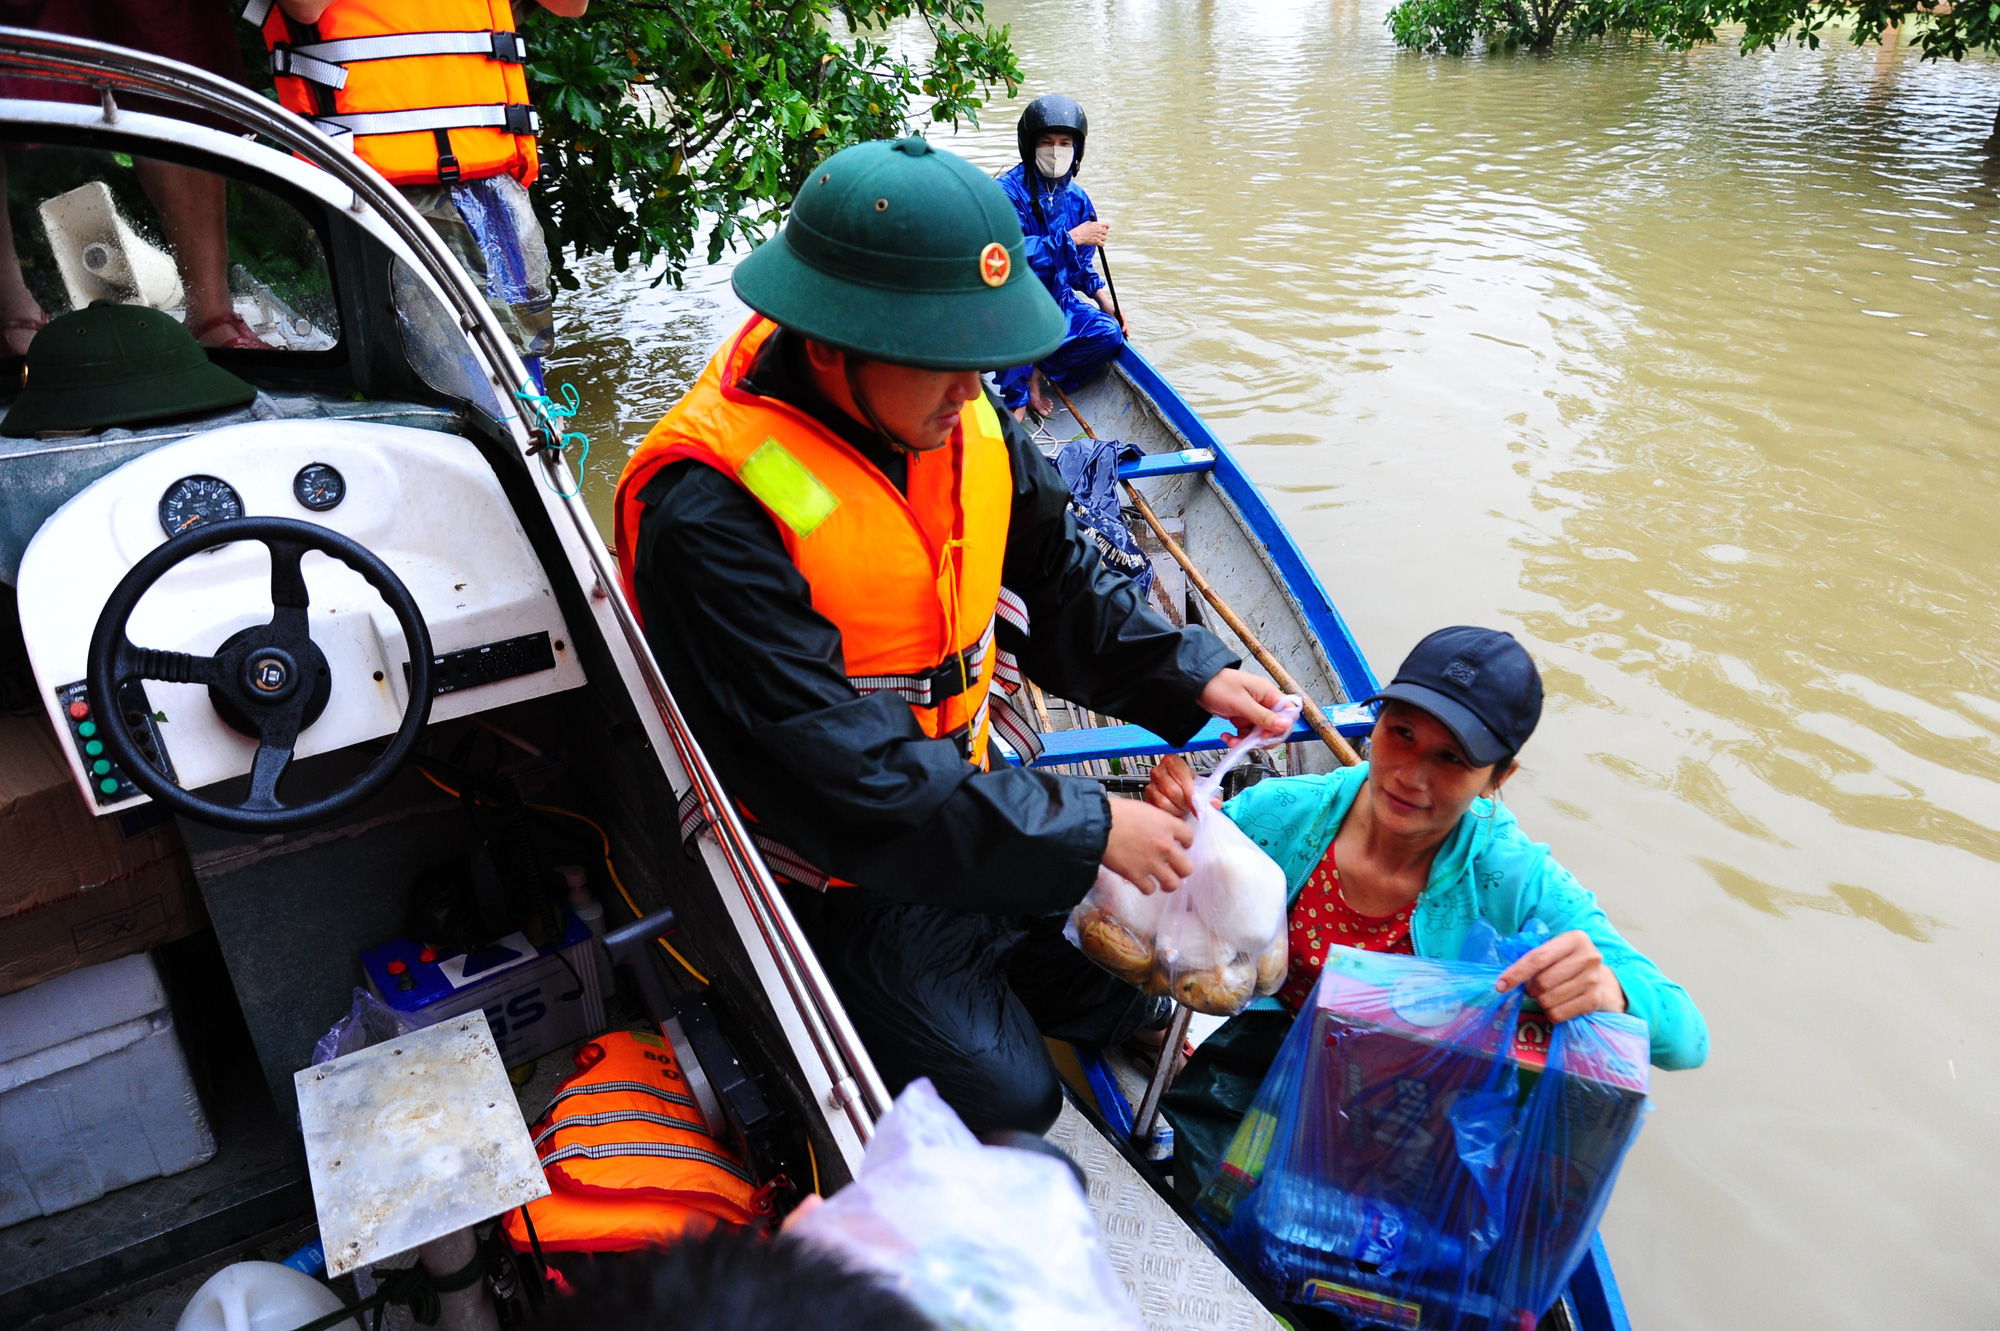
point(781, 857)
point(657, 1150)
point(1013, 609)
point(401, 45)
point(1012, 725)
point(257, 11)
point(342, 138)
point(1007, 671)
point(619, 1116)
point(436, 117)
point(918, 690)
point(292, 60)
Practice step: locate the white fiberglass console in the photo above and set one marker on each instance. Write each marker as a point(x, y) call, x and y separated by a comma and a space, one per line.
point(424, 502)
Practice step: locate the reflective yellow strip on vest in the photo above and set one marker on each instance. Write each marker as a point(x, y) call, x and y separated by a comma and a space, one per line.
point(785, 486)
point(656, 1150)
point(671, 1097)
point(620, 1116)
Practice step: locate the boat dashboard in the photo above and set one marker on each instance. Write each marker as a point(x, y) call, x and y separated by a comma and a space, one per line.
point(426, 503)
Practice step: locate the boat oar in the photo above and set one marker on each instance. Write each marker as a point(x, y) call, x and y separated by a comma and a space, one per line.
point(1115, 311)
point(1315, 718)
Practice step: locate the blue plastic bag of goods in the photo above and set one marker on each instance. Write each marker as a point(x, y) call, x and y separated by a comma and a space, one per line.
point(1426, 1154)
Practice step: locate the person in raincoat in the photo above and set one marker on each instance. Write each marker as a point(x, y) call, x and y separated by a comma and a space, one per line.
point(1063, 232)
point(846, 560)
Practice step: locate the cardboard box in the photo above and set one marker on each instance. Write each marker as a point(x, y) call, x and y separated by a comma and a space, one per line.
point(76, 889)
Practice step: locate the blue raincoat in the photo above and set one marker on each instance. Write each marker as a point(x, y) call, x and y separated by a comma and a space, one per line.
point(1066, 268)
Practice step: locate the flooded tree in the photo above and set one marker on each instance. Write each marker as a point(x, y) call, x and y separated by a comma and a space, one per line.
point(1942, 29)
point(662, 118)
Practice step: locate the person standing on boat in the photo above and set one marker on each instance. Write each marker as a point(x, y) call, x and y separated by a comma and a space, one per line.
point(1063, 232)
point(434, 97)
point(846, 559)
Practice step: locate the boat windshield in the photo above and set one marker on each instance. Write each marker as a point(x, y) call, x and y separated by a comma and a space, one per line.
point(239, 265)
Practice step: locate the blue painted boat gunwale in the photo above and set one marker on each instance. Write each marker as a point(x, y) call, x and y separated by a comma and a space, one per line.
point(1228, 475)
point(1353, 720)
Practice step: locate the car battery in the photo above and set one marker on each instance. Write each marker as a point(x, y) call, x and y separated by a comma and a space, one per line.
point(537, 1000)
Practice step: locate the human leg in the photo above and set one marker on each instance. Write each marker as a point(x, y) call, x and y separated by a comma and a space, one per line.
point(1093, 341)
point(20, 314)
point(193, 207)
point(927, 991)
point(1068, 995)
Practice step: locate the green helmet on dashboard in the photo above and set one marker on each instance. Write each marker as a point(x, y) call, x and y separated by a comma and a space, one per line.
point(901, 252)
point(110, 364)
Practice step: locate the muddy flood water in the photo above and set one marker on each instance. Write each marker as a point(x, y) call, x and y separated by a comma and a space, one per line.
point(1684, 368)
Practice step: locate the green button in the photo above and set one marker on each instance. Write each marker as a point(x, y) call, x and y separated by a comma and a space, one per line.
point(108, 785)
point(101, 766)
point(94, 748)
point(87, 729)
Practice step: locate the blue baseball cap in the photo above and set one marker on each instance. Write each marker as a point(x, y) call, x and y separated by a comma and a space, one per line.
point(1480, 683)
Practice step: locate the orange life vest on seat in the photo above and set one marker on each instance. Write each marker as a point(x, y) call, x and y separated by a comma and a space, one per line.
point(431, 93)
point(627, 1124)
point(912, 581)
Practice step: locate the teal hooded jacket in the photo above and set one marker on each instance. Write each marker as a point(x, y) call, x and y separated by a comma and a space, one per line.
point(1486, 869)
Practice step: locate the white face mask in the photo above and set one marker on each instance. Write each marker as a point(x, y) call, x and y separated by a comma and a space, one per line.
point(1052, 161)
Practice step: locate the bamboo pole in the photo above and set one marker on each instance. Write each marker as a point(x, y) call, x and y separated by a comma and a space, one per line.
point(1314, 717)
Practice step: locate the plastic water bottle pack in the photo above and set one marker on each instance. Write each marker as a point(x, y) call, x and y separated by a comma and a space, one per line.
point(1425, 1153)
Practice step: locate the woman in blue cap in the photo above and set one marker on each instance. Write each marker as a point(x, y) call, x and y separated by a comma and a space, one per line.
point(1403, 853)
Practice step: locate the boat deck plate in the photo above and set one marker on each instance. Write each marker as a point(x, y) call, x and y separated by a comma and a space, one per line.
point(1177, 1282)
point(412, 1139)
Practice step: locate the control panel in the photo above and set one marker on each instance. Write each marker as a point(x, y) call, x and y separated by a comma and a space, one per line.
point(489, 663)
point(108, 782)
point(425, 503)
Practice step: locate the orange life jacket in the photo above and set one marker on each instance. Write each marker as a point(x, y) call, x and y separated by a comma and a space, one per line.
point(566, 1221)
point(431, 93)
point(626, 1129)
point(911, 580)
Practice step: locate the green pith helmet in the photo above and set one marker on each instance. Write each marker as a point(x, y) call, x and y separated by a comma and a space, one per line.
point(901, 252)
point(112, 364)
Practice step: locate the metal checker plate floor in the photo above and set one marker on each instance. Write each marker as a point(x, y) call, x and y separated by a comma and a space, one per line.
point(1173, 1277)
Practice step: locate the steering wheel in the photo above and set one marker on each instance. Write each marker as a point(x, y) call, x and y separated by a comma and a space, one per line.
point(269, 681)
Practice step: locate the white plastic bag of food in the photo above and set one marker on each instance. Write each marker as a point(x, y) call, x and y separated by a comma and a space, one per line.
point(979, 1238)
point(1219, 941)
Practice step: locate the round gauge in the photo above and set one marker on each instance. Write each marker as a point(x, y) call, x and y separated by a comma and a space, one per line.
point(319, 487)
point(194, 501)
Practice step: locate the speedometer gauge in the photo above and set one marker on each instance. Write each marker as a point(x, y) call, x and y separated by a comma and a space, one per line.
point(195, 501)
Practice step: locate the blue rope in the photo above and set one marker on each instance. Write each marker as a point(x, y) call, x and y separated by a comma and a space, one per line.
point(552, 417)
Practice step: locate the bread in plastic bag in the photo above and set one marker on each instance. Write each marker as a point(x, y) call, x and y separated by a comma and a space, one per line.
point(1424, 1153)
point(1217, 942)
point(979, 1238)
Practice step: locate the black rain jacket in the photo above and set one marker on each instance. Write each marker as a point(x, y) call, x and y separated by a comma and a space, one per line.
point(851, 782)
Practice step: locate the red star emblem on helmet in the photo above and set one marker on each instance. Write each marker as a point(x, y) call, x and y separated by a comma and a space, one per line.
point(994, 264)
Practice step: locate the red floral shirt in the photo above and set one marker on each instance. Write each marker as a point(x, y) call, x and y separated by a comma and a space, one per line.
point(1321, 918)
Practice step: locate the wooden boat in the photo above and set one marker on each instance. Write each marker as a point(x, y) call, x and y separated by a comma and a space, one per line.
point(506, 711)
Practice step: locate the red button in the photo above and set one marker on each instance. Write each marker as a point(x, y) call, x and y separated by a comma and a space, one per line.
point(396, 967)
point(428, 955)
point(78, 710)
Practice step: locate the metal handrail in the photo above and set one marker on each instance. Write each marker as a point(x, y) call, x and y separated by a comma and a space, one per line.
point(858, 1088)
